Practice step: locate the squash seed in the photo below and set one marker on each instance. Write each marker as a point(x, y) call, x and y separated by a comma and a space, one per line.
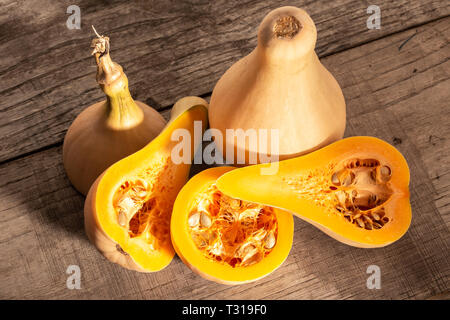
point(270, 241)
point(122, 219)
point(247, 251)
point(385, 173)
point(335, 179)
point(341, 196)
point(259, 235)
point(360, 222)
point(205, 220)
point(375, 216)
point(194, 219)
point(140, 188)
point(217, 249)
point(377, 225)
point(200, 240)
point(126, 203)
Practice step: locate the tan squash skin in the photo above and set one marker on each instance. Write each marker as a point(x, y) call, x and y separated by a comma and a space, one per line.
point(351, 181)
point(101, 218)
point(109, 130)
point(280, 85)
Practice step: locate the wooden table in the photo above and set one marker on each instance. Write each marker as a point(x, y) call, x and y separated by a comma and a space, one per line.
point(396, 81)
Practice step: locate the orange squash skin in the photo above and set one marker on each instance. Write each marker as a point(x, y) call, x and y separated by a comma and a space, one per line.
point(212, 270)
point(305, 187)
point(101, 222)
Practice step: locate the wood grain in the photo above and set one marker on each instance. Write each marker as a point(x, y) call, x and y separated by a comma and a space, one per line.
point(400, 96)
point(168, 49)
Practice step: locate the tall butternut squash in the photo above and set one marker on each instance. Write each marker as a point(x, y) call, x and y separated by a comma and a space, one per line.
point(280, 85)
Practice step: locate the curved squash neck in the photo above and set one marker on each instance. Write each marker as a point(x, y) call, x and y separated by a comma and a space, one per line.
point(286, 40)
point(122, 111)
point(286, 65)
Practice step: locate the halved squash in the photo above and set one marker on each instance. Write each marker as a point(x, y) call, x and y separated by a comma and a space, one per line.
point(224, 239)
point(127, 210)
point(355, 190)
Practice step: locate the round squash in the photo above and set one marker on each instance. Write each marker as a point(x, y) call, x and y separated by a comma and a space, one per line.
point(227, 240)
point(355, 190)
point(127, 210)
point(110, 130)
point(281, 85)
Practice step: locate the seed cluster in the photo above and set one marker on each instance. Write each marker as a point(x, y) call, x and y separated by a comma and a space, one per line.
point(143, 209)
point(361, 189)
point(232, 231)
point(356, 189)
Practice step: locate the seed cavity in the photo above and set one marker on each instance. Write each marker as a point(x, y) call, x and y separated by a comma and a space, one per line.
point(361, 190)
point(232, 231)
point(143, 205)
point(357, 189)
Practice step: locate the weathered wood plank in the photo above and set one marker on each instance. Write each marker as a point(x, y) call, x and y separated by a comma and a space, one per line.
point(41, 233)
point(168, 49)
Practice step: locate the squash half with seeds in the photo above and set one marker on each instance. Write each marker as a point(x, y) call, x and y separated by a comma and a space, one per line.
point(227, 240)
point(127, 210)
point(355, 190)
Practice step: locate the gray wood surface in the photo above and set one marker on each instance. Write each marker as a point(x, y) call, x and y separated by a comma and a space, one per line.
point(395, 90)
point(168, 49)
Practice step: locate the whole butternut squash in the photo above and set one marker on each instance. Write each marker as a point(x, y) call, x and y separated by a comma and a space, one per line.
point(281, 85)
point(110, 130)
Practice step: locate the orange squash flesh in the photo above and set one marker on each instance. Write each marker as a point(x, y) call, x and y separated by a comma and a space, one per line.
point(212, 266)
point(355, 190)
point(127, 210)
